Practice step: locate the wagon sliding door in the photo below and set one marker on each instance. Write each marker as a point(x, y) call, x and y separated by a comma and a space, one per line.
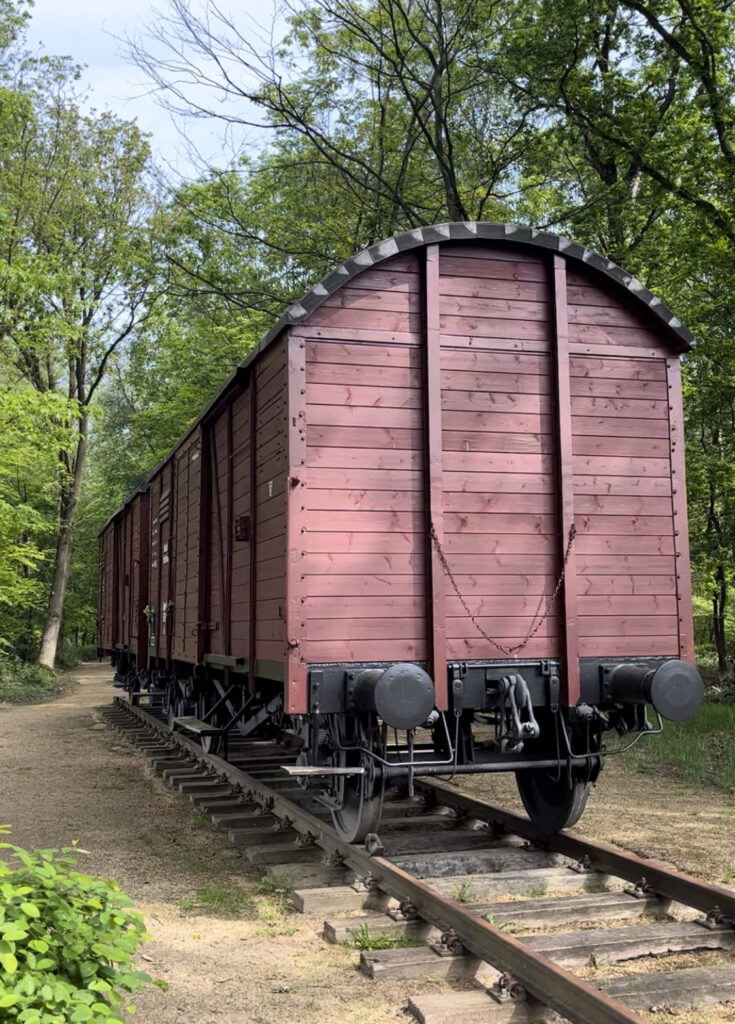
point(244, 538)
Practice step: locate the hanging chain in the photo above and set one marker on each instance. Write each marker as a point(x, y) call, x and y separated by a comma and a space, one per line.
point(534, 627)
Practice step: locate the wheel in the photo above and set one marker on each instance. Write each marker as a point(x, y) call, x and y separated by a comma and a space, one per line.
point(360, 812)
point(550, 802)
point(356, 800)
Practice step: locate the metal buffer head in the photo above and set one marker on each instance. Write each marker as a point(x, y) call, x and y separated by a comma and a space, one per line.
point(402, 695)
point(675, 688)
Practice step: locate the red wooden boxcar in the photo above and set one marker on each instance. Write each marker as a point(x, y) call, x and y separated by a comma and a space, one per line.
point(447, 487)
point(123, 581)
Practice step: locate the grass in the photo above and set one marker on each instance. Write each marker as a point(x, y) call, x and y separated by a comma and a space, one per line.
point(266, 901)
point(464, 893)
point(22, 683)
point(220, 901)
point(363, 940)
point(699, 751)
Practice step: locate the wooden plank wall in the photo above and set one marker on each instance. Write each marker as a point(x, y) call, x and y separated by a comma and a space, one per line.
point(218, 535)
point(365, 538)
point(161, 497)
point(239, 627)
point(123, 560)
point(500, 499)
point(270, 485)
point(106, 602)
point(187, 465)
point(364, 555)
point(134, 570)
point(623, 477)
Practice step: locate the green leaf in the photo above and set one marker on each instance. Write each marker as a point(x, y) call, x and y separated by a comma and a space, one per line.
point(39, 945)
point(82, 1014)
point(30, 909)
point(9, 963)
point(9, 999)
point(102, 1008)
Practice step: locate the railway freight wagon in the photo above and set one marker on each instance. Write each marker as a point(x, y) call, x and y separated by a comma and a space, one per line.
point(435, 523)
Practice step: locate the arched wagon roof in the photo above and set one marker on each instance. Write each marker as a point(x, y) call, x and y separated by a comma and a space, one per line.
point(458, 231)
point(469, 231)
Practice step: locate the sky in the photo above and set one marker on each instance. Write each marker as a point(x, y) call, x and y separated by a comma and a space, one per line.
point(92, 33)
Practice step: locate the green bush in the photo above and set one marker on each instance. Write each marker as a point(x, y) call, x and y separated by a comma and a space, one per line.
point(66, 942)
point(22, 683)
point(70, 656)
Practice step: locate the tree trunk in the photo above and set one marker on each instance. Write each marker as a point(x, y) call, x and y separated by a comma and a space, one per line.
point(67, 517)
point(719, 602)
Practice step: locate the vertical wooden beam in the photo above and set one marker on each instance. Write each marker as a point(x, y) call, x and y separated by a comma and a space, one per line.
point(143, 594)
point(567, 609)
point(205, 544)
point(679, 506)
point(173, 535)
point(297, 698)
point(435, 581)
point(227, 611)
point(253, 552)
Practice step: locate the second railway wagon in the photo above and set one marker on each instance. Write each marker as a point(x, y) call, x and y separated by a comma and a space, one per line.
point(435, 523)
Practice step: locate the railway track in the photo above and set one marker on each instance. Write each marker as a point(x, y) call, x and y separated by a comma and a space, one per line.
point(444, 871)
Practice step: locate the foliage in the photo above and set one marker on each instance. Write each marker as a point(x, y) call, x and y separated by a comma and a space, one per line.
point(464, 892)
point(33, 433)
point(74, 274)
point(363, 940)
point(699, 751)
point(68, 941)
point(22, 682)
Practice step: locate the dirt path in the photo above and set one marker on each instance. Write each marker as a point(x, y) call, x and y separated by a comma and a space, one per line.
point(65, 776)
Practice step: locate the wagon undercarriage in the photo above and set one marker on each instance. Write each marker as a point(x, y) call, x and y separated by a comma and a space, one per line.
point(374, 728)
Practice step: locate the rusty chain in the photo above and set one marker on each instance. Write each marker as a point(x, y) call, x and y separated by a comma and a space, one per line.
point(534, 627)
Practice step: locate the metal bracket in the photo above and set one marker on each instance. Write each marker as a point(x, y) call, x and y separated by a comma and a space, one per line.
point(716, 921)
point(449, 944)
point(583, 866)
point(305, 839)
point(516, 702)
point(508, 989)
point(554, 693)
point(642, 890)
point(408, 910)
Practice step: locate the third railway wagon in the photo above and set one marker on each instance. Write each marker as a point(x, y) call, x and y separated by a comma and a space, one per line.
point(435, 523)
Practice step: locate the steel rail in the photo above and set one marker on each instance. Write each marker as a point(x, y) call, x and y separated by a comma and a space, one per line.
point(546, 982)
point(667, 882)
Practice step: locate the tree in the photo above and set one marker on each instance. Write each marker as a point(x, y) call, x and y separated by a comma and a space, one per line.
point(74, 274)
